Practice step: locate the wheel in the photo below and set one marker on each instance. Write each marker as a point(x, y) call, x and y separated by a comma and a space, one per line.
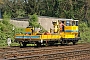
point(47, 44)
point(51, 43)
point(38, 44)
point(24, 44)
point(62, 43)
point(66, 42)
point(74, 43)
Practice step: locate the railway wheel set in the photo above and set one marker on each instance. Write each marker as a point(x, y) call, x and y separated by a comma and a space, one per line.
point(72, 52)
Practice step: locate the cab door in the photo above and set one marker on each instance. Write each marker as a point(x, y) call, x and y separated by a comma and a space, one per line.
point(68, 26)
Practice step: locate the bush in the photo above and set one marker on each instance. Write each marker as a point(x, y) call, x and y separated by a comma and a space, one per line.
point(6, 29)
point(84, 32)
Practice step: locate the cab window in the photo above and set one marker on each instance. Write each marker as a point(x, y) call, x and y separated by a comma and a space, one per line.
point(73, 23)
point(76, 23)
point(68, 23)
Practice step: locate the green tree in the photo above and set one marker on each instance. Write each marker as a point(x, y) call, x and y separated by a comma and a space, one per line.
point(33, 20)
point(6, 18)
point(76, 9)
point(12, 6)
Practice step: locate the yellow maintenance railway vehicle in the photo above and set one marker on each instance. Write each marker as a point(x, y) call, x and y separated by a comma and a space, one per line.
point(64, 32)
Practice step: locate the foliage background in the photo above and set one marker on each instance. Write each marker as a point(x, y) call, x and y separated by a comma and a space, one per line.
point(76, 9)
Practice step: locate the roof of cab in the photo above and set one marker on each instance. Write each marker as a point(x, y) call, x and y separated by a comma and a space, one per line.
point(67, 19)
point(76, 20)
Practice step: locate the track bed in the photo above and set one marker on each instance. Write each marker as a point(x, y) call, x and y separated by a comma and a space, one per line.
point(72, 52)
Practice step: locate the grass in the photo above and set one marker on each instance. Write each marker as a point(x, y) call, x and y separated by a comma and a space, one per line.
point(15, 44)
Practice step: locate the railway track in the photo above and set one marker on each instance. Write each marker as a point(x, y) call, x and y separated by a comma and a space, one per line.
point(75, 52)
point(69, 55)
